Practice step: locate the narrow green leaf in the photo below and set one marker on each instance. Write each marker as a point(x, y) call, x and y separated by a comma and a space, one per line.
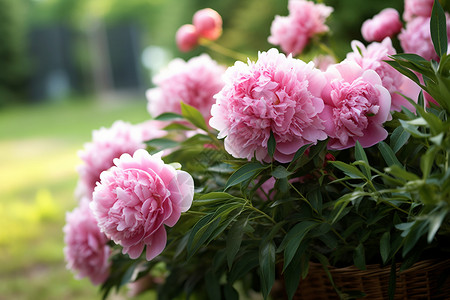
point(408, 73)
point(244, 173)
point(402, 174)
point(300, 152)
point(168, 116)
point(293, 239)
point(388, 154)
point(427, 160)
point(243, 266)
point(361, 155)
point(385, 246)
point(191, 114)
point(213, 198)
point(271, 144)
point(267, 266)
point(438, 28)
point(201, 231)
point(294, 271)
point(399, 137)
point(349, 170)
point(359, 258)
point(435, 223)
point(413, 236)
point(162, 143)
point(234, 239)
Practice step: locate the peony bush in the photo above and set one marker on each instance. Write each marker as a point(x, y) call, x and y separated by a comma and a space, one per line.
point(245, 175)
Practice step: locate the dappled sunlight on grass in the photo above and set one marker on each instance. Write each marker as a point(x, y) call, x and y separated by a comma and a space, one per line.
point(38, 159)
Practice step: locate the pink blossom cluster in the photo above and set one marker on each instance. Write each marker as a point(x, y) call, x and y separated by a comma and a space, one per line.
point(305, 20)
point(207, 24)
point(86, 251)
point(136, 198)
point(299, 105)
point(109, 143)
point(193, 82)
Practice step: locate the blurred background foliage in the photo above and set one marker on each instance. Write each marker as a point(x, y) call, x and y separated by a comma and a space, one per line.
point(51, 49)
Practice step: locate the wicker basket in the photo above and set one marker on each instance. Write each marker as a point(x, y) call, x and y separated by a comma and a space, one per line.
point(424, 280)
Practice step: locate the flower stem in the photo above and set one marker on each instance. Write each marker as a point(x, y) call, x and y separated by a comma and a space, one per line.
point(222, 50)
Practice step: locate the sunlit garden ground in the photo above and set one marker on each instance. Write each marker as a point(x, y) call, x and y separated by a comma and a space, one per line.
point(38, 157)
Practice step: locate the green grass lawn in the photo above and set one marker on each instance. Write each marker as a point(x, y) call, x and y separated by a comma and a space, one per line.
point(38, 157)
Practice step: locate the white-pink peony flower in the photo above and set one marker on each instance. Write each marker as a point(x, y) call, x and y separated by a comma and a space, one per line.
point(193, 82)
point(415, 8)
point(277, 93)
point(305, 20)
point(137, 197)
point(356, 106)
point(385, 24)
point(373, 57)
point(86, 251)
point(109, 143)
point(416, 37)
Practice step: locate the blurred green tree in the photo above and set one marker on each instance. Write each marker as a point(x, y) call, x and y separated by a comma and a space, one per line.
point(13, 61)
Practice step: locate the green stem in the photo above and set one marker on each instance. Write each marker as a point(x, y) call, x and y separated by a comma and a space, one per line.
point(264, 215)
point(222, 50)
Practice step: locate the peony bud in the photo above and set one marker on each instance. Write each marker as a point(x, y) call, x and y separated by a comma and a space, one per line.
point(208, 23)
point(187, 37)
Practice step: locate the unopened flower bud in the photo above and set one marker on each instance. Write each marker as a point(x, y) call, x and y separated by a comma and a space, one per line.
point(187, 37)
point(208, 23)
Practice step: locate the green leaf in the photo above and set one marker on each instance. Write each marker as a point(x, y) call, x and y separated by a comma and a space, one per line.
point(427, 160)
point(435, 221)
point(168, 116)
point(201, 231)
point(359, 258)
point(385, 246)
point(244, 173)
point(388, 154)
point(293, 239)
point(212, 198)
point(243, 266)
point(234, 239)
point(438, 28)
point(271, 144)
point(300, 152)
point(161, 143)
point(267, 266)
point(294, 271)
point(408, 73)
point(399, 137)
point(349, 170)
point(400, 173)
point(191, 114)
point(361, 155)
point(280, 172)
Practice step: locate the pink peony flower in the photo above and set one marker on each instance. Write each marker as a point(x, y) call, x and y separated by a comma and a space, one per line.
point(416, 37)
point(372, 58)
point(86, 251)
point(136, 198)
point(208, 23)
point(187, 37)
point(194, 82)
point(109, 143)
point(277, 93)
point(414, 8)
point(356, 106)
point(385, 24)
point(305, 20)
